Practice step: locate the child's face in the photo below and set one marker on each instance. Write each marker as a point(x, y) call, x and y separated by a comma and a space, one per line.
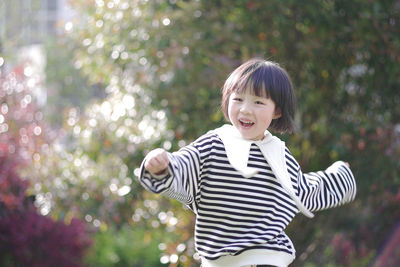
point(251, 114)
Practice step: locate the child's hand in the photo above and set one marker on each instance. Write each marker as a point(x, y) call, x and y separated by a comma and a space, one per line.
point(157, 161)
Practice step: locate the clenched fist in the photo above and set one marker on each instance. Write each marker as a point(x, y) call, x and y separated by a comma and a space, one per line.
point(157, 161)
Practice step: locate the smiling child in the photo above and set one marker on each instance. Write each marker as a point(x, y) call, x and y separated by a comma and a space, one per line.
point(242, 183)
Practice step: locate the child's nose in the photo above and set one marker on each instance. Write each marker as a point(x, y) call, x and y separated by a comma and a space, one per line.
point(245, 108)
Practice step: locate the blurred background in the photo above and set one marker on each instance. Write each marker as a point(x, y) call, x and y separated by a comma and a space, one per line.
point(88, 87)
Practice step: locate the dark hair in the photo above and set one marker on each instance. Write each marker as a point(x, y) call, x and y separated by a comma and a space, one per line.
point(266, 79)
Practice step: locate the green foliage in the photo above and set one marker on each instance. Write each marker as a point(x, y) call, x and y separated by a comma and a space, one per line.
point(162, 64)
point(66, 86)
point(125, 247)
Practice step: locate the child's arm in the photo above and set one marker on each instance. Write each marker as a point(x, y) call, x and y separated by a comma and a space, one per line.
point(174, 175)
point(330, 188)
point(324, 189)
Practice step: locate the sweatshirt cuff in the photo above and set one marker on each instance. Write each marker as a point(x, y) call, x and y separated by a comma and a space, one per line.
point(347, 179)
point(156, 183)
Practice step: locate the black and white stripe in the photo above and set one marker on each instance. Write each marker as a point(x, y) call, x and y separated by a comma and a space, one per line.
point(235, 213)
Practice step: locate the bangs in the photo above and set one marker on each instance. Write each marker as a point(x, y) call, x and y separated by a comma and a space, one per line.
point(253, 86)
point(256, 83)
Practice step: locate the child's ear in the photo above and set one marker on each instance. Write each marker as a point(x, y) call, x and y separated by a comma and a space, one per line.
point(277, 113)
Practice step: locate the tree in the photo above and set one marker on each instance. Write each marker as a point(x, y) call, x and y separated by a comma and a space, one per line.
point(172, 57)
point(27, 237)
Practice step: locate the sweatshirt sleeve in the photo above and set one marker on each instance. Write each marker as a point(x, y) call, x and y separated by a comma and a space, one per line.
point(181, 180)
point(326, 189)
point(321, 190)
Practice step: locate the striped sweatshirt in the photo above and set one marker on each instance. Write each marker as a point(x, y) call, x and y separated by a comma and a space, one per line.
point(236, 215)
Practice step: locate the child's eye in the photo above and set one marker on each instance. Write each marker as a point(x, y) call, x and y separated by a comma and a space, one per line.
point(259, 103)
point(237, 99)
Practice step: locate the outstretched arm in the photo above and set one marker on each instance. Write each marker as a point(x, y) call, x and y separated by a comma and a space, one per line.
point(174, 175)
point(326, 189)
point(323, 189)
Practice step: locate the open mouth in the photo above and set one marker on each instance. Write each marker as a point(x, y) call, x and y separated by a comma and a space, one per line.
point(246, 124)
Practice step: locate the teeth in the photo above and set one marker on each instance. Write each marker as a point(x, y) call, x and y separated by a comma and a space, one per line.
point(246, 123)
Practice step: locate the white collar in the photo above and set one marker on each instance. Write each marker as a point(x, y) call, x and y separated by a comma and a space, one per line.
point(238, 150)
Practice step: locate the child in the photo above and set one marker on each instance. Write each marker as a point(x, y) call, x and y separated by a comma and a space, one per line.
point(241, 182)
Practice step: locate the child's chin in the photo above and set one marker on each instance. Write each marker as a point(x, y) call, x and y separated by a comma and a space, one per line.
point(247, 136)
